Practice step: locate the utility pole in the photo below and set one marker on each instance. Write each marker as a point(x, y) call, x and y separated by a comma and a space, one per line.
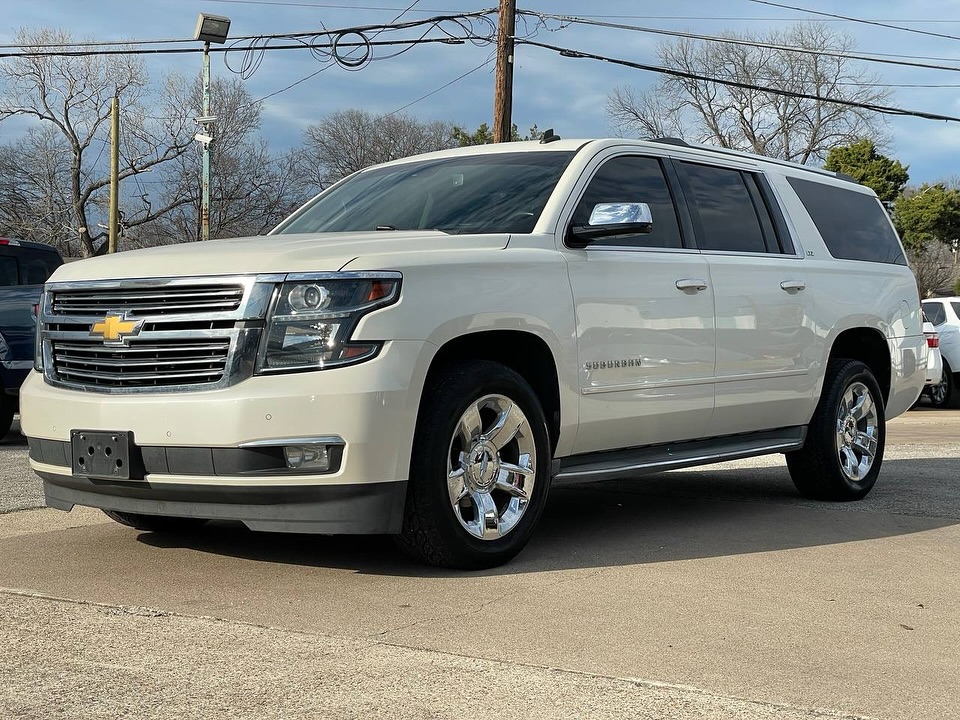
point(114, 174)
point(210, 28)
point(503, 92)
point(205, 170)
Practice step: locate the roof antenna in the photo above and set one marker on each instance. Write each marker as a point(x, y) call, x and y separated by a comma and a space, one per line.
point(548, 136)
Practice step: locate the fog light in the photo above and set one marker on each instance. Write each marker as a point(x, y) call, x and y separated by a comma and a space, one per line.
point(307, 457)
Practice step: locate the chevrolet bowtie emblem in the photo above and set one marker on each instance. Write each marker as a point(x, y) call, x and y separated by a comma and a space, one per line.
point(115, 330)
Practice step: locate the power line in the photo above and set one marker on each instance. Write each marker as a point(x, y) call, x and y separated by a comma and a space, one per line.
point(393, 25)
point(326, 6)
point(348, 61)
point(246, 48)
point(876, 23)
point(305, 40)
point(442, 87)
point(763, 18)
point(291, 85)
point(883, 109)
point(94, 43)
point(872, 57)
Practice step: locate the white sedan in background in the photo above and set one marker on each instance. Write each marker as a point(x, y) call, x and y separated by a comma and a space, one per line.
point(943, 314)
point(934, 358)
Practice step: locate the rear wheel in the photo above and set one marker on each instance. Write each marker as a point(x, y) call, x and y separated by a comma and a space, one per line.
point(480, 470)
point(946, 393)
point(844, 448)
point(154, 523)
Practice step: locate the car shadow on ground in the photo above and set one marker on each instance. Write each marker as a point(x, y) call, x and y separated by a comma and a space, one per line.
point(660, 518)
point(14, 437)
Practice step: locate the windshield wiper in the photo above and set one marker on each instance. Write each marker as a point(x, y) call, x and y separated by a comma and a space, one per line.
point(395, 228)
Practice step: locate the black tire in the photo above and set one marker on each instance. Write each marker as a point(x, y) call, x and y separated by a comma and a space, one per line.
point(6, 413)
point(155, 523)
point(442, 531)
point(946, 393)
point(831, 465)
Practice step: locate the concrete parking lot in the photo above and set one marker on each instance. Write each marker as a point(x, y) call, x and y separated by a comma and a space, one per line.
point(713, 593)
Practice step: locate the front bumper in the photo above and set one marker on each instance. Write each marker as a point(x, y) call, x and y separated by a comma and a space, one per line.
point(368, 508)
point(195, 463)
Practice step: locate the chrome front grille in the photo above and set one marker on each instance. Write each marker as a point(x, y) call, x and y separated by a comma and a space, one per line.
point(150, 301)
point(143, 364)
point(178, 335)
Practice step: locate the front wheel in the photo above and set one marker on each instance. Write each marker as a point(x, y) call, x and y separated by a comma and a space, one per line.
point(841, 457)
point(480, 470)
point(155, 523)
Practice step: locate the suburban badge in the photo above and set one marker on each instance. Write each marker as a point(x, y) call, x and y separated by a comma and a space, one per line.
point(612, 364)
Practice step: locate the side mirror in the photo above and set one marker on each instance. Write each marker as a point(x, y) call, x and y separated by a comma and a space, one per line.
point(611, 220)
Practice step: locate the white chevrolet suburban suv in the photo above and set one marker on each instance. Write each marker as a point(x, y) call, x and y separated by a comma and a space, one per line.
point(429, 344)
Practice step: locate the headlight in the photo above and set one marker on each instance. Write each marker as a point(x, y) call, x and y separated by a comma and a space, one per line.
point(312, 320)
point(38, 338)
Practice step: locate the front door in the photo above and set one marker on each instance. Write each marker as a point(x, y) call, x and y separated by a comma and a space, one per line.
point(645, 319)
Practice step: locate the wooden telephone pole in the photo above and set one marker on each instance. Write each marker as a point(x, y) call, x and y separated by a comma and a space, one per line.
point(503, 92)
point(113, 222)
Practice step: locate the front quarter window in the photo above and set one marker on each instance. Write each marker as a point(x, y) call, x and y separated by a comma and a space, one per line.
point(484, 193)
point(632, 180)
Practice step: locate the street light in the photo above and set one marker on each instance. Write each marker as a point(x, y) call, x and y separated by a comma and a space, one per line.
point(210, 29)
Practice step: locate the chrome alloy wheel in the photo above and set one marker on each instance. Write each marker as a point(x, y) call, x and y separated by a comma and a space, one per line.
point(857, 431)
point(490, 467)
point(938, 391)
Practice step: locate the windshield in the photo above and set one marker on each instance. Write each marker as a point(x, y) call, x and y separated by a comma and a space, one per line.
point(490, 193)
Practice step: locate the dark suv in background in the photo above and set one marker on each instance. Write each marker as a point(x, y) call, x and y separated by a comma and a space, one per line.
point(24, 267)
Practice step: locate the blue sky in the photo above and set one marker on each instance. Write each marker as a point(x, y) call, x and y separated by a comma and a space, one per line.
point(551, 91)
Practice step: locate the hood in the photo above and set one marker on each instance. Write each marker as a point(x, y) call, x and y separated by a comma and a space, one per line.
point(325, 252)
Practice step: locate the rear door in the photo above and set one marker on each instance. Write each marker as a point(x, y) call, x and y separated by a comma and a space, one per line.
point(765, 339)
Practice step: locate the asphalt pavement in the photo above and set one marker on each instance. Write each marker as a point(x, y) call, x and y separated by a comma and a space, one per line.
point(708, 593)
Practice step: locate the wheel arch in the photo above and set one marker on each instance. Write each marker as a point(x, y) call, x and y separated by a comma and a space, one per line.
point(869, 347)
point(523, 352)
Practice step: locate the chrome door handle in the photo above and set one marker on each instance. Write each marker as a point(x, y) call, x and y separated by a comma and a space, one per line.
point(793, 285)
point(694, 284)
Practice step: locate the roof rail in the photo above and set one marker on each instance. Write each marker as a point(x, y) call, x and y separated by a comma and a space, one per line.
point(740, 153)
point(672, 141)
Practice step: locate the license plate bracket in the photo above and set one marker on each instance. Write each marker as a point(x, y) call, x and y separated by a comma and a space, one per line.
point(99, 454)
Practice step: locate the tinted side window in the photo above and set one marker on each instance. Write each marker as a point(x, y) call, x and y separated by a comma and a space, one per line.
point(633, 179)
point(935, 312)
point(727, 214)
point(37, 265)
point(8, 271)
point(853, 225)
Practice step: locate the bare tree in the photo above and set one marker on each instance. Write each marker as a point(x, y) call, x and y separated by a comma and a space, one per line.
point(934, 267)
point(751, 116)
point(71, 94)
point(350, 140)
point(251, 190)
point(33, 171)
